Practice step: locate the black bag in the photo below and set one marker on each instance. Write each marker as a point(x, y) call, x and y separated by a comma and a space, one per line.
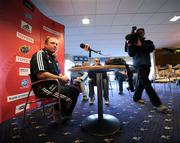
point(115, 61)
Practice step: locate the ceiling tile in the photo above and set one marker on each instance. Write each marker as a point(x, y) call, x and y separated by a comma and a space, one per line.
point(170, 6)
point(107, 6)
point(84, 6)
point(140, 19)
point(104, 19)
point(129, 6)
point(158, 18)
point(60, 7)
point(68, 21)
point(122, 19)
point(150, 6)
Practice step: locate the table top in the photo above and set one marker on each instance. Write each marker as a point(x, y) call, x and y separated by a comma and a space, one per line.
point(101, 68)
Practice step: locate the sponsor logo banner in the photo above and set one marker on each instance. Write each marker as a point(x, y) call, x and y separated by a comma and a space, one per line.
point(18, 96)
point(22, 60)
point(20, 108)
point(28, 16)
point(24, 37)
point(27, 27)
point(24, 83)
point(24, 71)
point(80, 58)
point(28, 4)
point(24, 49)
point(51, 30)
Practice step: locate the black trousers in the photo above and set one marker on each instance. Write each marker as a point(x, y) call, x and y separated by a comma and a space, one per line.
point(105, 88)
point(144, 83)
point(51, 90)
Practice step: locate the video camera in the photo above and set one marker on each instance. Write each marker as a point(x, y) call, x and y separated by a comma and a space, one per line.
point(132, 38)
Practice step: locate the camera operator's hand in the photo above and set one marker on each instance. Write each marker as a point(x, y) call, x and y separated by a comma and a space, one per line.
point(138, 43)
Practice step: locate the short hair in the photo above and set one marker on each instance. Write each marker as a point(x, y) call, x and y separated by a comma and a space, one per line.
point(47, 39)
point(140, 29)
point(97, 59)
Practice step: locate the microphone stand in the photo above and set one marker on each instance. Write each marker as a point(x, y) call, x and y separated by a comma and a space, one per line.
point(91, 50)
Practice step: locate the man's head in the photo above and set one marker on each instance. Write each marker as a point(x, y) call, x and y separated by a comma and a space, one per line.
point(97, 61)
point(51, 44)
point(141, 32)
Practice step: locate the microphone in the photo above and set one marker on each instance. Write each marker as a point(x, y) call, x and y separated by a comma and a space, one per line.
point(84, 46)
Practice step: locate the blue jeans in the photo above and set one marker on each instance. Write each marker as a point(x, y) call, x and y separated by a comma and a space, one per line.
point(120, 82)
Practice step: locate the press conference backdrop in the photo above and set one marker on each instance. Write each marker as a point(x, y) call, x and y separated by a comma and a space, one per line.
point(23, 31)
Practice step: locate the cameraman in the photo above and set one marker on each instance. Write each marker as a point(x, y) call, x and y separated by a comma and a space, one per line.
point(140, 52)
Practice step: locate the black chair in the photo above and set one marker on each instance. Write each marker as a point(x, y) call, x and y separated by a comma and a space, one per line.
point(50, 100)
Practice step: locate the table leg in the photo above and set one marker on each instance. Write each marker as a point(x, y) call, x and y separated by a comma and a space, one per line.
point(99, 93)
point(100, 124)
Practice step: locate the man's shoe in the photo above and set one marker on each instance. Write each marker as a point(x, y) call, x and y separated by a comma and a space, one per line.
point(106, 101)
point(54, 124)
point(131, 89)
point(140, 101)
point(120, 93)
point(91, 101)
point(162, 108)
point(85, 98)
point(65, 118)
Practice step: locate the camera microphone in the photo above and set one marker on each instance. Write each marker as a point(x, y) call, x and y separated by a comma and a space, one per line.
point(133, 29)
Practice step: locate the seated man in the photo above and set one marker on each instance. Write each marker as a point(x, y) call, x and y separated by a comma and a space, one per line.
point(92, 83)
point(80, 78)
point(43, 65)
point(120, 76)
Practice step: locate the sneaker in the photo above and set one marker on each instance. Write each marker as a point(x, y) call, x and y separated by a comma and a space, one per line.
point(106, 101)
point(140, 101)
point(162, 108)
point(85, 98)
point(91, 102)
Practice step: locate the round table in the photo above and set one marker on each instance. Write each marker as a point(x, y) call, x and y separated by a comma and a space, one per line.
point(100, 124)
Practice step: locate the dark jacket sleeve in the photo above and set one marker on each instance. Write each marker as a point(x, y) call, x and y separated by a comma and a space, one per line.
point(148, 46)
point(131, 50)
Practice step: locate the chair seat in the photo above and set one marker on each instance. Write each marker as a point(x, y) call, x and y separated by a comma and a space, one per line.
point(44, 100)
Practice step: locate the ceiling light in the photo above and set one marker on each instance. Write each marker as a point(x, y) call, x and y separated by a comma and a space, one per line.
point(175, 18)
point(85, 21)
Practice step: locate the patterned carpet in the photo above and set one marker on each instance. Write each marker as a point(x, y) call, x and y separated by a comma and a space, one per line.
point(139, 123)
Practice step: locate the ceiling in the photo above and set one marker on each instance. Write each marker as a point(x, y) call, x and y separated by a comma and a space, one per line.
point(111, 20)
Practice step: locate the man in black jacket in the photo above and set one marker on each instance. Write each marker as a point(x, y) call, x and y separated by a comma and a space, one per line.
point(140, 52)
point(43, 65)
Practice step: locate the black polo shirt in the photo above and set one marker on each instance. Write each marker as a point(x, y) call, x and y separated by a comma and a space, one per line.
point(43, 61)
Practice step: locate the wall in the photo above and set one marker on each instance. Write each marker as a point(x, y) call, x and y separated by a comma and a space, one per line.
point(163, 57)
point(23, 30)
point(166, 58)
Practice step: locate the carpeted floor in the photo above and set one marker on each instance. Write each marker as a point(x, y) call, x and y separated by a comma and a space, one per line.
point(139, 123)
